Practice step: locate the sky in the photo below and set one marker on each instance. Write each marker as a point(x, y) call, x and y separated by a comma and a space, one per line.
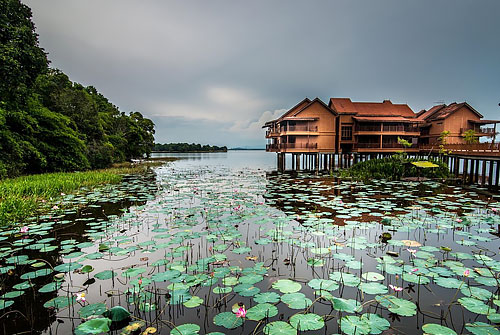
point(213, 71)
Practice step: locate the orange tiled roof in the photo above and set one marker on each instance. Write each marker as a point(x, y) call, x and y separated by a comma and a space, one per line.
point(386, 108)
point(443, 111)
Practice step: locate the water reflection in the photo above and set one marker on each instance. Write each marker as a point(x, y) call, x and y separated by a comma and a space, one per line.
point(29, 316)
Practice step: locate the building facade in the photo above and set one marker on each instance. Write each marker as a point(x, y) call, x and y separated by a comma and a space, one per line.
point(344, 126)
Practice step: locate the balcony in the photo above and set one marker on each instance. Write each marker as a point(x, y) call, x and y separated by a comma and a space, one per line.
point(367, 145)
point(305, 129)
point(272, 133)
point(403, 129)
point(291, 146)
point(483, 131)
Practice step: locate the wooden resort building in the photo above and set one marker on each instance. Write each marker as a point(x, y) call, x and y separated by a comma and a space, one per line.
point(321, 134)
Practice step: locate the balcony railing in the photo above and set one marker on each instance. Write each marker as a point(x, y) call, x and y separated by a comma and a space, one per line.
point(387, 128)
point(367, 145)
point(392, 145)
point(470, 149)
point(480, 131)
point(368, 128)
point(299, 128)
point(376, 145)
point(284, 146)
point(273, 132)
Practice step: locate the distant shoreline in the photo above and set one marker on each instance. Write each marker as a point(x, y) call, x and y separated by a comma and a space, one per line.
point(202, 152)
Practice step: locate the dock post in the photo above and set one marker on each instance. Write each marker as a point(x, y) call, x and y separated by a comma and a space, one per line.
point(476, 172)
point(490, 174)
point(497, 174)
point(483, 173)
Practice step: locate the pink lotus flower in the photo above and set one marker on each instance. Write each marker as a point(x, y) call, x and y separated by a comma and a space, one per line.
point(396, 288)
point(24, 229)
point(413, 270)
point(55, 207)
point(459, 220)
point(494, 210)
point(467, 273)
point(241, 312)
point(139, 281)
point(411, 251)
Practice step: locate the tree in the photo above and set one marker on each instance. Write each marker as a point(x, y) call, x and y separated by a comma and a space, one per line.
point(22, 60)
point(443, 141)
point(471, 137)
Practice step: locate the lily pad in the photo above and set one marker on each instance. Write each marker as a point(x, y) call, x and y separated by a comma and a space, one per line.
point(309, 321)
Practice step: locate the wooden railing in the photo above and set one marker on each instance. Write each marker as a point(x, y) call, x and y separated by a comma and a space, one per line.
point(300, 128)
point(479, 131)
point(387, 128)
point(482, 149)
point(284, 146)
point(367, 145)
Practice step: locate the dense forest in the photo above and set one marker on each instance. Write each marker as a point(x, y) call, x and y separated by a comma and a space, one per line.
point(186, 147)
point(49, 123)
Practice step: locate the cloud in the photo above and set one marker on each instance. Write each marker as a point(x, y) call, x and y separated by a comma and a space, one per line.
point(221, 68)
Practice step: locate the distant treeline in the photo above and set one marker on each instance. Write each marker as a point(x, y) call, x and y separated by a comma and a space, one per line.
point(186, 147)
point(49, 123)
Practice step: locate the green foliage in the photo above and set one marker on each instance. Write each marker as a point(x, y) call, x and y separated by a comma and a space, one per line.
point(394, 168)
point(443, 141)
point(47, 122)
point(186, 147)
point(471, 137)
point(20, 197)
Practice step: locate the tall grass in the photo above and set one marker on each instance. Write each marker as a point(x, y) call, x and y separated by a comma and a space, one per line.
point(22, 197)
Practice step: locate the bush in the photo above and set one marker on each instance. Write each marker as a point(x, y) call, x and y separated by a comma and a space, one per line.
point(395, 167)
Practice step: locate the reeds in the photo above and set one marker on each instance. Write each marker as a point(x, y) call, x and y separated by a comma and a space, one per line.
point(21, 197)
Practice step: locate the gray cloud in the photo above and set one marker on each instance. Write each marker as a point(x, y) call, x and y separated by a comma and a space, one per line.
point(208, 71)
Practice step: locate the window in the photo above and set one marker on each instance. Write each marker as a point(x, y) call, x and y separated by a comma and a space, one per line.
point(346, 133)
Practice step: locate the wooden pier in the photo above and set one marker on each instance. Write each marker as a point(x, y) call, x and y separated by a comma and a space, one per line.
point(471, 164)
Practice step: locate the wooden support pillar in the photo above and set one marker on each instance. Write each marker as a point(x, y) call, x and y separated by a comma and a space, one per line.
point(471, 172)
point(497, 174)
point(483, 173)
point(297, 162)
point(466, 169)
point(476, 171)
point(490, 174)
point(456, 166)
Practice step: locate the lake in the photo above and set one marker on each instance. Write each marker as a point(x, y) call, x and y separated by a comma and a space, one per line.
point(220, 243)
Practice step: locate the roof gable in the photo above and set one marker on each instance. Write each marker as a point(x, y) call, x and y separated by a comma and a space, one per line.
point(316, 100)
point(296, 108)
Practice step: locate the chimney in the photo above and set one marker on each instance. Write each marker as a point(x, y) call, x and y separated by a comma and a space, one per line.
point(387, 102)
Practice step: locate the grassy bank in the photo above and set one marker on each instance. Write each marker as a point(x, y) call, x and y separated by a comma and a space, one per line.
point(21, 197)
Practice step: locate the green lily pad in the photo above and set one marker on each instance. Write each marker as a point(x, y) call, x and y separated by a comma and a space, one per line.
point(117, 314)
point(287, 286)
point(227, 320)
point(92, 309)
point(186, 329)
point(261, 311)
point(309, 321)
point(271, 297)
point(93, 326)
point(279, 328)
point(481, 328)
point(346, 305)
point(435, 329)
point(104, 275)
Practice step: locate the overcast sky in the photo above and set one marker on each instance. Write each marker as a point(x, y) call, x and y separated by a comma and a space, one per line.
point(213, 72)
